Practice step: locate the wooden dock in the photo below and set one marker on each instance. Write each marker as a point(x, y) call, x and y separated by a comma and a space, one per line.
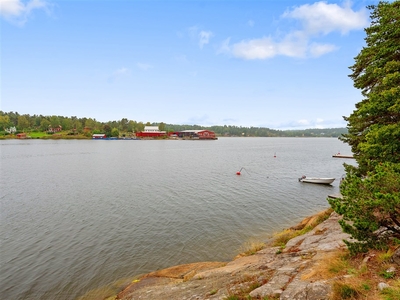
point(335, 196)
point(342, 156)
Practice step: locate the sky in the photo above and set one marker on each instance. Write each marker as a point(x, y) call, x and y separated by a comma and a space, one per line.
point(280, 64)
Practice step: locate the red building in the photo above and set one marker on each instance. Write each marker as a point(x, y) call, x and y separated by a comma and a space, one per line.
point(197, 134)
point(55, 129)
point(151, 132)
point(144, 134)
point(98, 136)
point(21, 135)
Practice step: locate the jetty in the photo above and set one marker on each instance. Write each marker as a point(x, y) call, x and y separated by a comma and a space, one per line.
point(338, 155)
point(335, 196)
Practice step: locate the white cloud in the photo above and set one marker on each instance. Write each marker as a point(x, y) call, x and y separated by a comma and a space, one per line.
point(317, 50)
point(292, 45)
point(143, 66)
point(303, 122)
point(204, 38)
point(17, 12)
point(316, 19)
point(255, 49)
point(200, 36)
point(322, 17)
point(308, 123)
point(11, 8)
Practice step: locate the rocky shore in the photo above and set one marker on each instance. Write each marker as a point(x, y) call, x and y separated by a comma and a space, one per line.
point(275, 272)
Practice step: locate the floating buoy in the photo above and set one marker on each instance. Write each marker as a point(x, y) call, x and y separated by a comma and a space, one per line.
point(275, 154)
point(238, 172)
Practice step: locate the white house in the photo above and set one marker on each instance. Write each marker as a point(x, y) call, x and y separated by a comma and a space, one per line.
point(11, 130)
point(151, 129)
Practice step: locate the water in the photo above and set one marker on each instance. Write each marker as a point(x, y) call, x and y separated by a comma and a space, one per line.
point(77, 216)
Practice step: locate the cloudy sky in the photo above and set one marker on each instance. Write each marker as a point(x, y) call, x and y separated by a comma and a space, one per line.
point(280, 64)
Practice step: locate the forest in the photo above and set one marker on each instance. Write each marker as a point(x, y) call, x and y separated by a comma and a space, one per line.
point(12, 123)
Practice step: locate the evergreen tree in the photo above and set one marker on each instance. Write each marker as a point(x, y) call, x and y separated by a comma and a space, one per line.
point(371, 191)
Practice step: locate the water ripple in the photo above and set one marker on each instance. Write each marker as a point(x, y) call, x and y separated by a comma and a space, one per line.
point(77, 215)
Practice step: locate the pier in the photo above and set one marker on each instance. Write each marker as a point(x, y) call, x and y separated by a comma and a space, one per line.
point(335, 196)
point(342, 156)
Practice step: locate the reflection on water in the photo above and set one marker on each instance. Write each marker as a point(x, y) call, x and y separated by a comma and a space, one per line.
point(79, 215)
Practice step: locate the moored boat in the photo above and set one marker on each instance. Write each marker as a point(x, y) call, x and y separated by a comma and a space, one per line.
point(320, 180)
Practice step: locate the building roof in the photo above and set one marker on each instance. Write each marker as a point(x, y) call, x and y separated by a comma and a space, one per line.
point(194, 131)
point(151, 128)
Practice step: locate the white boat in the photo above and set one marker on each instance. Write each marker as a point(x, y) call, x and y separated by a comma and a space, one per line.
point(316, 180)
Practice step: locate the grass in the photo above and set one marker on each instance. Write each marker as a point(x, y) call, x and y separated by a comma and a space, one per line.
point(358, 277)
point(36, 135)
point(248, 284)
point(45, 135)
point(281, 238)
point(392, 293)
point(345, 291)
point(213, 292)
point(251, 248)
point(385, 256)
point(352, 277)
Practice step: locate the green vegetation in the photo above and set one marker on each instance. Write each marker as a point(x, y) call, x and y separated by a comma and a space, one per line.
point(281, 238)
point(344, 291)
point(392, 293)
point(39, 126)
point(355, 277)
point(39, 134)
point(213, 292)
point(228, 130)
point(371, 191)
point(85, 127)
point(251, 248)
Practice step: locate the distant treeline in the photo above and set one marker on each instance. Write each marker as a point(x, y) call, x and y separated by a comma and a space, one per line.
point(229, 130)
point(39, 123)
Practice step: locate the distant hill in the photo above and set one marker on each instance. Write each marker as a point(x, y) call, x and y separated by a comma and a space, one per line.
point(40, 123)
point(262, 131)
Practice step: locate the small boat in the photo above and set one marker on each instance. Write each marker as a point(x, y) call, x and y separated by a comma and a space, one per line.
point(316, 180)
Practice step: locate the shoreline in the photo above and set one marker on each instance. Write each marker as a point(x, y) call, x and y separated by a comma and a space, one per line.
point(186, 274)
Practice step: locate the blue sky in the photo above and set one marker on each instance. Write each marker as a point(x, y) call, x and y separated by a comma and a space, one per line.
point(278, 64)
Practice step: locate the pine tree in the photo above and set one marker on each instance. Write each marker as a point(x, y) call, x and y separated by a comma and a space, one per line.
point(371, 191)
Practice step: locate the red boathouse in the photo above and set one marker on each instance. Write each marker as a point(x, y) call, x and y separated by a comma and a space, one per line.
point(197, 134)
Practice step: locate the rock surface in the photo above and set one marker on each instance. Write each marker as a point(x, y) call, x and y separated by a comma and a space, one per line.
point(396, 256)
point(269, 272)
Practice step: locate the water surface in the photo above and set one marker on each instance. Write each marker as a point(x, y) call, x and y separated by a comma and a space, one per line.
point(78, 215)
